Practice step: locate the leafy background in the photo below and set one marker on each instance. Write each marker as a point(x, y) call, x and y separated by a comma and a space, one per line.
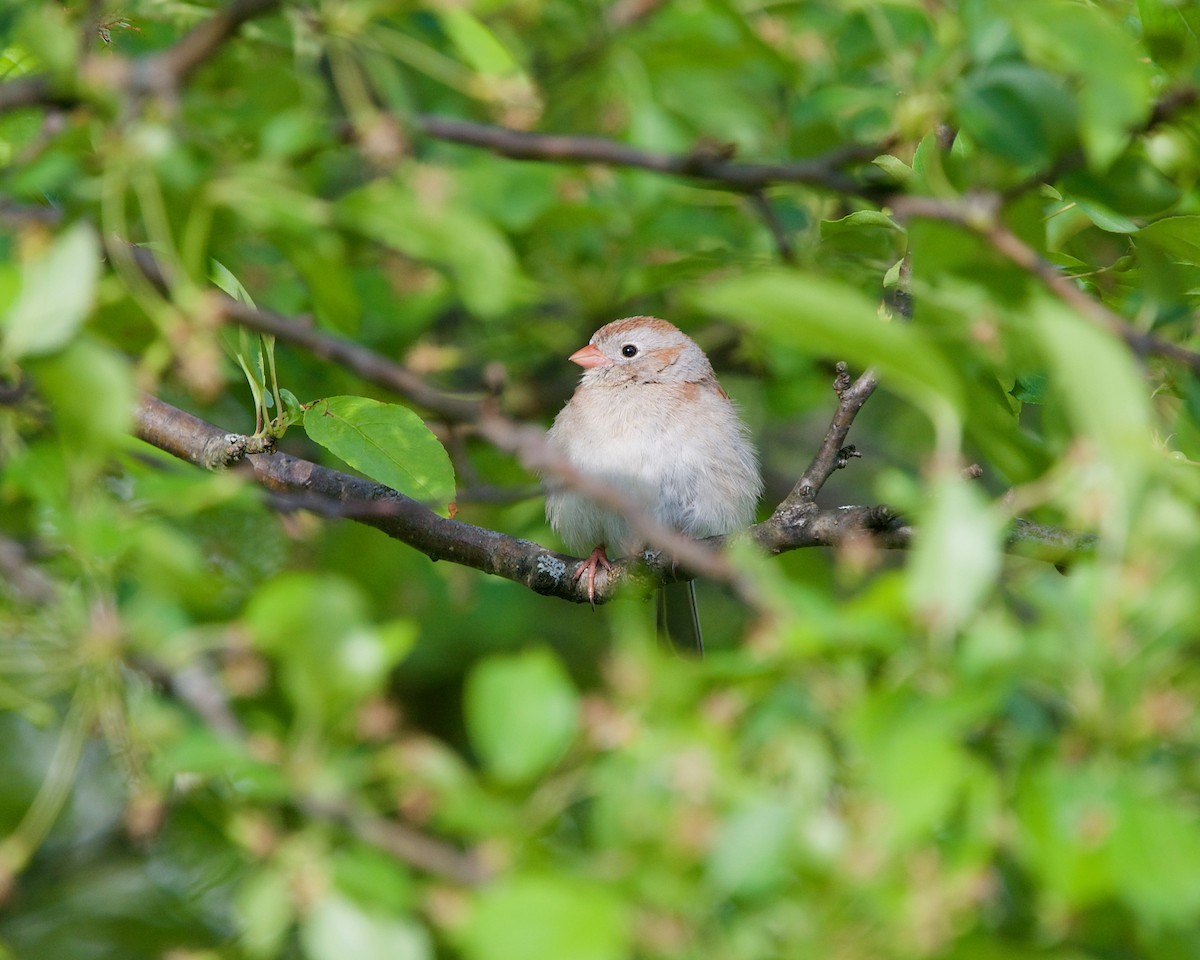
point(229, 732)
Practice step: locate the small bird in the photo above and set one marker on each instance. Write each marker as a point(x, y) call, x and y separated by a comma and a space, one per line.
point(650, 419)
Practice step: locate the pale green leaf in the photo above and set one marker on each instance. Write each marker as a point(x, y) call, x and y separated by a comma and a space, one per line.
point(265, 911)
point(478, 257)
point(1155, 848)
point(91, 389)
point(1099, 384)
point(522, 713)
point(957, 554)
point(58, 289)
point(753, 849)
point(478, 45)
point(330, 654)
point(825, 318)
point(338, 928)
point(547, 918)
point(223, 277)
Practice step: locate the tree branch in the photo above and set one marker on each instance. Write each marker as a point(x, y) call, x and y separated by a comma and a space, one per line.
point(783, 243)
point(180, 60)
point(980, 214)
point(356, 358)
point(700, 164)
point(522, 561)
point(439, 538)
point(215, 449)
point(400, 840)
point(833, 454)
point(154, 73)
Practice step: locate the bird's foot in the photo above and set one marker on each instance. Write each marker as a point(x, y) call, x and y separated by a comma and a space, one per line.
point(597, 558)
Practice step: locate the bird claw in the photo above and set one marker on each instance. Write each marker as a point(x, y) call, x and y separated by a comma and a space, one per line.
point(597, 558)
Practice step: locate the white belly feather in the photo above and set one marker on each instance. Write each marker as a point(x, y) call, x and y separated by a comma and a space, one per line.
point(700, 481)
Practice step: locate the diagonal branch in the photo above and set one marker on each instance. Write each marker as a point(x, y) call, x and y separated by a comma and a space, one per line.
point(154, 73)
point(180, 61)
point(366, 363)
point(980, 215)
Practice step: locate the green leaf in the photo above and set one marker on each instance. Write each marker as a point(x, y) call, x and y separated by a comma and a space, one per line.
point(1030, 388)
point(329, 654)
point(477, 44)
point(865, 234)
point(1155, 848)
point(90, 387)
point(477, 255)
point(321, 259)
point(522, 713)
point(58, 289)
point(374, 878)
point(754, 849)
point(547, 918)
point(1132, 187)
point(1098, 381)
point(1106, 219)
point(1090, 44)
point(1172, 31)
point(249, 356)
point(1178, 237)
point(900, 172)
point(46, 31)
point(1065, 817)
point(388, 443)
point(293, 409)
point(223, 277)
point(1016, 111)
point(956, 557)
point(824, 318)
point(265, 912)
point(338, 928)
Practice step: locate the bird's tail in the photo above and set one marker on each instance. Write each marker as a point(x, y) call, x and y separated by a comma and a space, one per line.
point(678, 623)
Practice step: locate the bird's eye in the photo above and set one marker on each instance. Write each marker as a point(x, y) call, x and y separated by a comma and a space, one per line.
point(629, 350)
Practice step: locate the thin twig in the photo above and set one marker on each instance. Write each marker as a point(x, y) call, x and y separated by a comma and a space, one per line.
point(24, 580)
point(196, 688)
point(154, 73)
point(830, 455)
point(783, 243)
point(34, 90)
point(401, 841)
point(181, 59)
point(366, 363)
point(824, 172)
point(361, 360)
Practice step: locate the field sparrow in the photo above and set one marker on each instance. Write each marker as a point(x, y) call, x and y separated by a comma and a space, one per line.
point(650, 419)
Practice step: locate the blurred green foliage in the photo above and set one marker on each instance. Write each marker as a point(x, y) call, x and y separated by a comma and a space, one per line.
point(214, 716)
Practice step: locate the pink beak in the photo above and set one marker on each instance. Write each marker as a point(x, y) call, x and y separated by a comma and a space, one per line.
point(589, 356)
